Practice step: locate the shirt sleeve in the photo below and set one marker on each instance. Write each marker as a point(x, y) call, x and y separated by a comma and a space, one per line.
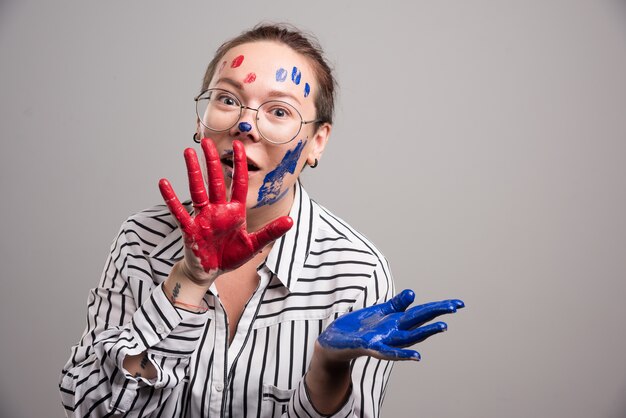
point(128, 314)
point(369, 375)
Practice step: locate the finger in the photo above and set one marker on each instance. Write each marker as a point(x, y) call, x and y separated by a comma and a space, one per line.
point(173, 204)
point(196, 183)
point(399, 302)
point(217, 189)
point(240, 176)
point(270, 232)
point(427, 312)
point(385, 352)
point(417, 335)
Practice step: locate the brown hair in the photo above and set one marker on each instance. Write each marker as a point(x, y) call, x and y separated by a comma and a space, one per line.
point(304, 44)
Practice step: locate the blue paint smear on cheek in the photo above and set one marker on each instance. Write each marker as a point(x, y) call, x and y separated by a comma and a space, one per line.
point(271, 190)
point(281, 74)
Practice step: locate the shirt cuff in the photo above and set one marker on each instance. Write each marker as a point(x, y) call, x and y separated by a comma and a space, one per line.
point(163, 328)
point(301, 404)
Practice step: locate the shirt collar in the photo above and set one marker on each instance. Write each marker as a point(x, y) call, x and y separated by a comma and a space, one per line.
point(287, 257)
point(289, 253)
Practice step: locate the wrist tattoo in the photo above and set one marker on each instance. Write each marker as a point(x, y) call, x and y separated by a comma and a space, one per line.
point(176, 291)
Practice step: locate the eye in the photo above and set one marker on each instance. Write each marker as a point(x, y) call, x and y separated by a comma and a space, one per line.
point(277, 111)
point(227, 100)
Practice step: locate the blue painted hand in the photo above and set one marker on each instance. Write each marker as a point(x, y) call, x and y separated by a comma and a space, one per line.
point(383, 331)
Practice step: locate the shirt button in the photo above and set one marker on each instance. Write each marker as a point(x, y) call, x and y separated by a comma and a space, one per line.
point(160, 329)
point(219, 387)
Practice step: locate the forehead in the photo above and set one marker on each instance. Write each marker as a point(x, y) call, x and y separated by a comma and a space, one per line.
point(268, 65)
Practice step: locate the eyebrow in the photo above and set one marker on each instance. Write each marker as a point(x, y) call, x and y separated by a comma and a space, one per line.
point(275, 94)
point(235, 84)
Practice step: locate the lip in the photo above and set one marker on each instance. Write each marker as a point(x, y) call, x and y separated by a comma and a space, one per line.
point(227, 156)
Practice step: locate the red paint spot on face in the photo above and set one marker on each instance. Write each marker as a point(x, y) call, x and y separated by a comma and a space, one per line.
point(221, 67)
point(237, 61)
point(250, 78)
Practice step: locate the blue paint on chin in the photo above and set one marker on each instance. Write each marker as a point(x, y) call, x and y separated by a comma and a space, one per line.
point(245, 127)
point(271, 190)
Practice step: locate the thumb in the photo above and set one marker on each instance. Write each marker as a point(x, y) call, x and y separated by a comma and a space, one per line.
point(399, 302)
point(270, 232)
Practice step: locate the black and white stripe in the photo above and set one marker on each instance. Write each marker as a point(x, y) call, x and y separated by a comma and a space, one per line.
point(319, 270)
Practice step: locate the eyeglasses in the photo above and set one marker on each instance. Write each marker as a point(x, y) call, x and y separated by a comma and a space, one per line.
point(276, 121)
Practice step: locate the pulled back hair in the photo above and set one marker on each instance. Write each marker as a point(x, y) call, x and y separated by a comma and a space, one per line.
point(304, 44)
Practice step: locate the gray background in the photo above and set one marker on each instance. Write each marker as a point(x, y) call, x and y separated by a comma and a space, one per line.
point(479, 144)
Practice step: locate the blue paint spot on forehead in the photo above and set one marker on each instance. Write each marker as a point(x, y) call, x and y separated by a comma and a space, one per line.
point(307, 89)
point(296, 75)
point(281, 74)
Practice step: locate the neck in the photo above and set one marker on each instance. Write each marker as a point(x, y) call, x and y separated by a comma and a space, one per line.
point(257, 218)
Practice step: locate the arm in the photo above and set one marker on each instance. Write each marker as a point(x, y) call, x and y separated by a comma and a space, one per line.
point(354, 356)
point(368, 376)
point(121, 368)
point(381, 331)
point(128, 315)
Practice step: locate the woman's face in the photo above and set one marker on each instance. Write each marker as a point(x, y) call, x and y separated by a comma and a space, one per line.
point(255, 73)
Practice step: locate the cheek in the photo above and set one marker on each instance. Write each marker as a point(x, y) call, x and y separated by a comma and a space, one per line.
point(273, 188)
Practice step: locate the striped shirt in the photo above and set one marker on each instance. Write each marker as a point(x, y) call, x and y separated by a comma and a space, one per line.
point(319, 270)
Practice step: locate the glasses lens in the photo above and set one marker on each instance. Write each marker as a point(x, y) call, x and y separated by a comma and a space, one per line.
point(278, 122)
point(218, 110)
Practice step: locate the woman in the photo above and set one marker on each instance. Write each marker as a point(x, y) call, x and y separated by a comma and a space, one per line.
point(228, 305)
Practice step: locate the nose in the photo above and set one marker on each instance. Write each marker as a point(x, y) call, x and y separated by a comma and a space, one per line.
point(246, 127)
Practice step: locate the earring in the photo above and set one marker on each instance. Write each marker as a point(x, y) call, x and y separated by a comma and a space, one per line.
point(195, 138)
point(315, 164)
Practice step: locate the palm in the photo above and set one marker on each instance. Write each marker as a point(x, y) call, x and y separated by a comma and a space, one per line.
point(215, 236)
point(384, 330)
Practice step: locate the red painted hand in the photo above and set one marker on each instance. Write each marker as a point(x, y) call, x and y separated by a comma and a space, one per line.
point(216, 239)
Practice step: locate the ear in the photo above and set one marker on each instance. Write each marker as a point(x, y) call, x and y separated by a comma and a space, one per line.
point(199, 129)
point(319, 140)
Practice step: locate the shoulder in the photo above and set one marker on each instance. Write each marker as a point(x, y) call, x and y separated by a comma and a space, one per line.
point(143, 238)
point(334, 233)
point(340, 251)
point(150, 226)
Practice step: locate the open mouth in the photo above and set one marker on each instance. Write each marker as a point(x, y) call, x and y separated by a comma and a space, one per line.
point(227, 160)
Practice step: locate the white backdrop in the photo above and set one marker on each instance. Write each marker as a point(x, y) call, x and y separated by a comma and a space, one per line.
point(480, 144)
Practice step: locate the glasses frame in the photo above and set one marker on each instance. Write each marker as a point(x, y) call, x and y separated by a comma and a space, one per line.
point(243, 107)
